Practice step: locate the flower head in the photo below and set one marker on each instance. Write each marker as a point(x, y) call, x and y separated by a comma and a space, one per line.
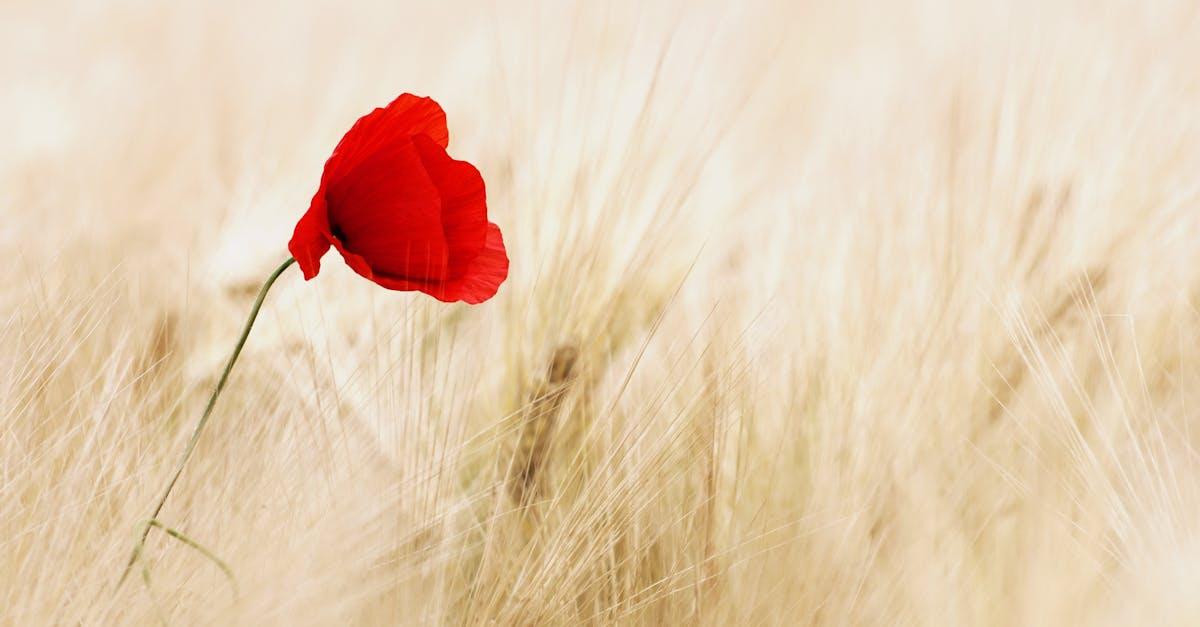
point(401, 212)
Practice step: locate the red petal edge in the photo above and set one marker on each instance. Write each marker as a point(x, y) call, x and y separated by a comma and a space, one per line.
point(310, 241)
point(463, 204)
point(480, 282)
point(402, 118)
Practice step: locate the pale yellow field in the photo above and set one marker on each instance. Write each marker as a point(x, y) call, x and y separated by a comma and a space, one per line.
point(820, 313)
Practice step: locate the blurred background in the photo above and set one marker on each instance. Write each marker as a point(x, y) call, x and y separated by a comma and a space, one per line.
point(819, 312)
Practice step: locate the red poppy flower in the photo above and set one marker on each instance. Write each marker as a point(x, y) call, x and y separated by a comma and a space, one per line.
point(402, 212)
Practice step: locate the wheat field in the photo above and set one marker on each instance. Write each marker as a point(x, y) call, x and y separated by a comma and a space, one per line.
point(820, 313)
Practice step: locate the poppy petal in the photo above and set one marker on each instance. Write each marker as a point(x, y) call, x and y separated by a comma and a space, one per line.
point(310, 240)
point(356, 262)
point(485, 274)
point(404, 117)
point(481, 281)
point(464, 204)
point(387, 211)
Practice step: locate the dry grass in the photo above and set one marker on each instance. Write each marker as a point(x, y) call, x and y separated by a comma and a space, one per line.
point(820, 313)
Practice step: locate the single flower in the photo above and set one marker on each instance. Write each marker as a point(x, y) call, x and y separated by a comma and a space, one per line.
point(401, 211)
point(403, 214)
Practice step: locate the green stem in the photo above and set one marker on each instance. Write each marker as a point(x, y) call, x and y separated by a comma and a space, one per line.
point(212, 401)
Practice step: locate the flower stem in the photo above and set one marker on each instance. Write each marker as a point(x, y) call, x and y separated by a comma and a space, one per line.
point(212, 401)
